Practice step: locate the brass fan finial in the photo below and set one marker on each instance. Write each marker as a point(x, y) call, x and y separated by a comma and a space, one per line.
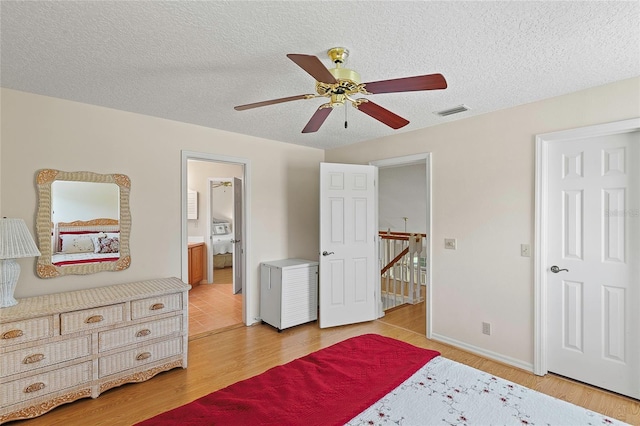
point(338, 55)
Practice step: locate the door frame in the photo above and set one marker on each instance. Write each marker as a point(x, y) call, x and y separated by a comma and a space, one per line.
point(408, 160)
point(247, 292)
point(541, 223)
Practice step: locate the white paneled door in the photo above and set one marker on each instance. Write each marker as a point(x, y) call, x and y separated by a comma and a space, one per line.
point(349, 273)
point(593, 261)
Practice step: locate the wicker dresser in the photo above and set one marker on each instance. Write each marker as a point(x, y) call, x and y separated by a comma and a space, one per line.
point(58, 348)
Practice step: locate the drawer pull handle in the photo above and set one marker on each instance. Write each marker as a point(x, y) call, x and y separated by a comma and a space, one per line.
point(93, 319)
point(143, 333)
point(143, 356)
point(34, 387)
point(12, 334)
point(157, 306)
point(32, 359)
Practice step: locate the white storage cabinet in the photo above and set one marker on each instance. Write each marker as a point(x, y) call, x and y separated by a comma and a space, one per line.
point(288, 292)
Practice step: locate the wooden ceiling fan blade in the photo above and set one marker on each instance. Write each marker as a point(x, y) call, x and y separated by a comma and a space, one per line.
point(407, 84)
point(383, 115)
point(272, 102)
point(312, 65)
point(317, 119)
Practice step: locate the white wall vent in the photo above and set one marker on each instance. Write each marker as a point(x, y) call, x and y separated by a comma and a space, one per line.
point(455, 110)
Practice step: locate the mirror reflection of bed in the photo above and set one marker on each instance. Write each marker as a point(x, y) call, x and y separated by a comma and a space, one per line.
point(76, 242)
point(222, 243)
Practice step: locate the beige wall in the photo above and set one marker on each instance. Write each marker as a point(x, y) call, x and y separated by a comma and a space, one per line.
point(41, 132)
point(483, 195)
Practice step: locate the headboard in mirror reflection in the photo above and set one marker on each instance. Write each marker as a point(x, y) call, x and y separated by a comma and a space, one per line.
point(83, 223)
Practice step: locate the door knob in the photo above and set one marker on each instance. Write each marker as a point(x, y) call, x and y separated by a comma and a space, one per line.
point(555, 269)
point(327, 253)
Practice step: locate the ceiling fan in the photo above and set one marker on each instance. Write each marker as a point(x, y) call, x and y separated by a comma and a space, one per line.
point(341, 84)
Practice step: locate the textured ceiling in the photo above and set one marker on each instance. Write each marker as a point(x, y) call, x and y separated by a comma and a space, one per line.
point(194, 61)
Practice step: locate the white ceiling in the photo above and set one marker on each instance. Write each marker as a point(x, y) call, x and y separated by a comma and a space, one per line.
point(194, 61)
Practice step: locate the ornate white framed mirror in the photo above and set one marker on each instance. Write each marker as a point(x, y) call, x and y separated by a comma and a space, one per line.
point(83, 222)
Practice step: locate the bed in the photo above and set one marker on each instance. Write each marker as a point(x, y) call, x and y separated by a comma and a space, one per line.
point(77, 242)
point(377, 380)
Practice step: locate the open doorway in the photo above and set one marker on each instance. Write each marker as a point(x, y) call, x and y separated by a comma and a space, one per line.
point(213, 226)
point(404, 199)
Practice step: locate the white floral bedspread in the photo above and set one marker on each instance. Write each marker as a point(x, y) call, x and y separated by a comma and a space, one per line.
point(445, 392)
point(79, 257)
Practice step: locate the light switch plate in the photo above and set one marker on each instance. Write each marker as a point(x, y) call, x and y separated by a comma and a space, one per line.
point(450, 243)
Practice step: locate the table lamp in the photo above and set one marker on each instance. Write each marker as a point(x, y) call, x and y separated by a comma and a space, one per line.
point(15, 242)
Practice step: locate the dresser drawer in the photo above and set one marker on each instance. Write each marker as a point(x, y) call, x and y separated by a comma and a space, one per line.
point(139, 333)
point(134, 358)
point(42, 356)
point(156, 305)
point(12, 333)
point(89, 319)
point(42, 384)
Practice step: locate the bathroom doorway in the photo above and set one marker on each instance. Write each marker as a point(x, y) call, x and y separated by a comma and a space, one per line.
point(214, 213)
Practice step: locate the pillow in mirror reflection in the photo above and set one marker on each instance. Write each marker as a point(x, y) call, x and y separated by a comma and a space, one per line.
point(96, 243)
point(77, 243)
point(108, 245)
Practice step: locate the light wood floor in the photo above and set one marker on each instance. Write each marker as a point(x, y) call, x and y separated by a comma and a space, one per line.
point(214, 308)
point(411, 317)
point(218, 360)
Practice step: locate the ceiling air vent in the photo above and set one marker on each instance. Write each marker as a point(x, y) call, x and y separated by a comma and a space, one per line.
point(455, 110)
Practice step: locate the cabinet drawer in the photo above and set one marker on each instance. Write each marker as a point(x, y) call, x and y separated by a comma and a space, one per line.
point(156, 305)
point(42, 384)
point(12, 333)
point(125, 336)
point(136, 357)
point(42, 356)
point(89, 319)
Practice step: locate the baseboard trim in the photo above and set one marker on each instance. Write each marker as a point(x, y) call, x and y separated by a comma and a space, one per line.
point(483, 352)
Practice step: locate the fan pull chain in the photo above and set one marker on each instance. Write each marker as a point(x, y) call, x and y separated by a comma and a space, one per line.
point(345, 116)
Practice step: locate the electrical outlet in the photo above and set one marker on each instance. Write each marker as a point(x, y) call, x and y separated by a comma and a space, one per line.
point(450, 243)
point(525, 250)
point(486, 328)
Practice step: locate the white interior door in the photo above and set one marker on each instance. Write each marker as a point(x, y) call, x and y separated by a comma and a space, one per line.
point(238, 243)
point(593, 236)
point(210, 209)
point(349, 274)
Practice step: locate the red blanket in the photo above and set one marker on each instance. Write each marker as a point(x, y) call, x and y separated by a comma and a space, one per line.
point(327, 387)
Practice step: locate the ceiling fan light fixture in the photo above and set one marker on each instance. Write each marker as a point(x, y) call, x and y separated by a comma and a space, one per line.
point(455, 110)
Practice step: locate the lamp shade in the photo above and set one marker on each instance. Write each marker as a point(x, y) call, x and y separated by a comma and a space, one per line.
point(15, 240)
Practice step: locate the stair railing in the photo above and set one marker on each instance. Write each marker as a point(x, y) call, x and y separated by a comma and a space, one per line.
point(402, 268)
